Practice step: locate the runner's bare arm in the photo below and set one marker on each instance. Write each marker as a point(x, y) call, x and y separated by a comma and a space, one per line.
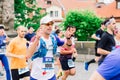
point(95, 37)
point(14, 55)
point(102, 51)
point(96, 76)
point(64, 51)
point(32, 48)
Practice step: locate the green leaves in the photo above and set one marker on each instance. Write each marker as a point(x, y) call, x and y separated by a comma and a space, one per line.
point(85, 21)
point(27, 14)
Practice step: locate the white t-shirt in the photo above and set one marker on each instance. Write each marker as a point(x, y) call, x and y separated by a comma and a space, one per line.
point(117, 43)
point(43, 68)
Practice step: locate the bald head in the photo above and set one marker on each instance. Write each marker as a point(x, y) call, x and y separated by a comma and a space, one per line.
point(21, 30)
point(20, 27)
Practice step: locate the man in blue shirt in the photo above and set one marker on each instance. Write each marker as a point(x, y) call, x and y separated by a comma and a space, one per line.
point(3, 58)
point(110, 68)
point(30, 33)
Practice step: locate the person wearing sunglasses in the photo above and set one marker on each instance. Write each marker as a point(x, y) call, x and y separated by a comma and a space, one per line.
point(42, 50)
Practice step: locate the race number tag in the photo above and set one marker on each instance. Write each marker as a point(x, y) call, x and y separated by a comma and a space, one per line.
point(71, 63)
point(2, 51)
point(48, 63)
point(23, 70)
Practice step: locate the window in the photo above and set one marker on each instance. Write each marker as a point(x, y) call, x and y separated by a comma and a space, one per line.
point(118, 4)
point(51, 13)
point(49, 2)
point(56, 13)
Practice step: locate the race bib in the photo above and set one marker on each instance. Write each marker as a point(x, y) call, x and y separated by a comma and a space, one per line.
point(23, 70)
point(48, 63)
point(2, 51)
point(71, 63)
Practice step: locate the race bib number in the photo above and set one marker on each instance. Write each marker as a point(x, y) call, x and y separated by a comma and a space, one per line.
point(48, 63)
point(23, 70)
point(71, 63)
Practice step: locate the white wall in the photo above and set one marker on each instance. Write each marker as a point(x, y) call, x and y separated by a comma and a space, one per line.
point(106, 1)
point(55, 8)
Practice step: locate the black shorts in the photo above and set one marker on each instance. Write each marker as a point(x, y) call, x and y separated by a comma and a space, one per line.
point(16, 76)
point(64, 64)
point(96, 54)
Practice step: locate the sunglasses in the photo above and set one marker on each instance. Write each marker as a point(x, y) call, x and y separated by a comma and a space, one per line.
point(49, 24)
point(114, 23)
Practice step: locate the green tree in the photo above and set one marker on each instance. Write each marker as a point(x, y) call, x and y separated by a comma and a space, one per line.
point(23, 9)
point(85, 21)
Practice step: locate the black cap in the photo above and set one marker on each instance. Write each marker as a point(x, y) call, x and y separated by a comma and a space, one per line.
point(1, 27)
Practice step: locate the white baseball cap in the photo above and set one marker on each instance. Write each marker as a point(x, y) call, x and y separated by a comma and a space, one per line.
point(45, 20)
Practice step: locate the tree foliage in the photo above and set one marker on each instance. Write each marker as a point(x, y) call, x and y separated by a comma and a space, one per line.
point(23, 9)
point(85, 21)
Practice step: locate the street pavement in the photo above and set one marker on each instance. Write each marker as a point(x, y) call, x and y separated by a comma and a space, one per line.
point(81, 73)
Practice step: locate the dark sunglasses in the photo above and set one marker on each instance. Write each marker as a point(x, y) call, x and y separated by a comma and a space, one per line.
point(114, 23)
point(49, 24)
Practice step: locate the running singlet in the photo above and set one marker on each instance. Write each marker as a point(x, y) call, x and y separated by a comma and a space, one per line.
point(43, 68)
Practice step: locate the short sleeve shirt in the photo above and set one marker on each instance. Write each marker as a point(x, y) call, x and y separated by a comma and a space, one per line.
point(2, 38)
point(98, 34)
point(110, 68)
point(107, 42)
point(17, 46)
point(2, 45)
point(28, 36)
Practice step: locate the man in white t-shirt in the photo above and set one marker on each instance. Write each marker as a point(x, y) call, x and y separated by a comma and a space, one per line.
point(42, 50)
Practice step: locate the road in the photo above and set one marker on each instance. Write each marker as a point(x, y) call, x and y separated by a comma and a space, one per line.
point(81, 74)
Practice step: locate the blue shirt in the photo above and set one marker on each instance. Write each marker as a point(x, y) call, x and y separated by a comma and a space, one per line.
point(110, 68)
point(2, 38)
point(28, 36)
point(59, 41)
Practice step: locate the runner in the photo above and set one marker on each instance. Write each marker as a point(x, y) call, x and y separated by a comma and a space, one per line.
point(110, 68)
point(30, 33)
point(66, 60)
point(117, 37)
point(42, 49)
point(97, 36)
point(59, 34)
point(72, 30)
point(107, 42)
point(3, 40)
point(17, 50)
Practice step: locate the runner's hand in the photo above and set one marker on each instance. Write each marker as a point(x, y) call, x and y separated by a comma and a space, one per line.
point(67, 34)
point(21, 56)
point(39, 34)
